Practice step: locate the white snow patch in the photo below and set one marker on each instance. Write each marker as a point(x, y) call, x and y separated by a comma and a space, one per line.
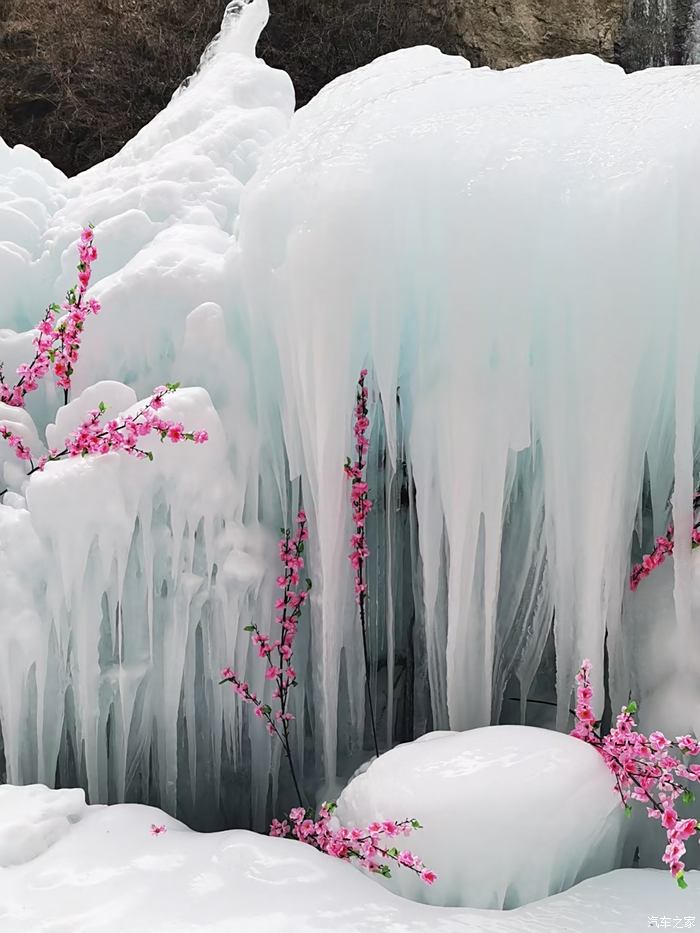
point(34, 818)
point(108, 874)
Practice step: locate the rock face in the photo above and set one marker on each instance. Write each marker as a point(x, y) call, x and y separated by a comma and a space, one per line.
point(510, 32)
point(77, 80)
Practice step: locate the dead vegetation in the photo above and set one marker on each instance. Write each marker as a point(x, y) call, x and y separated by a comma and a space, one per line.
point(80, 77)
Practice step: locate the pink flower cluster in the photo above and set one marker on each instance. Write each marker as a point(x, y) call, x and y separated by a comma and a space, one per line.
point(359, 491)
point(647, 769)
point(369, 846)
point(58, 344)
point(585, 717)
point(121, 433)
point(70, 328)
point(663, 547)
point(22, 452)
point(158, 830)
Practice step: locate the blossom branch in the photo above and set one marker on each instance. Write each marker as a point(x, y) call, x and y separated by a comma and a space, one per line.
point(646, 769)
point(57, 344)
point(366, 845)
point(121, 433)
point(361, 506)
point(280, 671)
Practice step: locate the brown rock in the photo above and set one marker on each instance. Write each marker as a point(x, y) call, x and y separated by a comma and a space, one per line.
point(510, 32)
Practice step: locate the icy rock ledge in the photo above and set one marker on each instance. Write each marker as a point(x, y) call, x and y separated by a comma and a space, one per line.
point(33, 818)
point(511, 814)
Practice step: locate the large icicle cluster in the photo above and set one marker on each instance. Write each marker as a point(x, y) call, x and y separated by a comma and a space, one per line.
point(514, 252)
point(511, 255)
point(124, 589)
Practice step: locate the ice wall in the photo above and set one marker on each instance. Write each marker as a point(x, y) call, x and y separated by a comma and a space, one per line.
point(514, 252)
point(511, 254)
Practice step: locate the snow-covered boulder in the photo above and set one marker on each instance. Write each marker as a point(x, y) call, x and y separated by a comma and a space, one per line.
point(511, 814)
point(33, 818)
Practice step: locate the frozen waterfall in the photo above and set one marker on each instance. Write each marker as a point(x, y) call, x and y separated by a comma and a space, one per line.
point(512, 255)
point(660, 32)
point(694, 35)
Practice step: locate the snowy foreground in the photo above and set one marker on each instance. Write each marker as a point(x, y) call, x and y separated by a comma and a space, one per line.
point(101, 869)
point(510, 814)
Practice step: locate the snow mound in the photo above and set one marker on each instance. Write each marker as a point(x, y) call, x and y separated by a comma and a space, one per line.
point(511, 814)
point(110, 874)
point(34, 818)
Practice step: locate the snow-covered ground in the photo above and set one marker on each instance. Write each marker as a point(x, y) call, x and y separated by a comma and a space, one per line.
point(106, 872)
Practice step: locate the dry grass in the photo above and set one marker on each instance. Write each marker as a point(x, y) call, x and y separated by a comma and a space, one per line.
point(80, 77)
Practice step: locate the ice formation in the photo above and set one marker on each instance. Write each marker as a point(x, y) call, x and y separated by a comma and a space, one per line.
point(694, 35)
point(513, 251)
point(511, 254)
point(123, 590)
point(661, 32)
point(109, 873)
point(510, 814)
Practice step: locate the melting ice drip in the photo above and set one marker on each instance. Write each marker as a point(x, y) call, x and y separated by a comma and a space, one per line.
point(661, 32)
point(511, 255)
point(694, 35)
point(651, 24)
